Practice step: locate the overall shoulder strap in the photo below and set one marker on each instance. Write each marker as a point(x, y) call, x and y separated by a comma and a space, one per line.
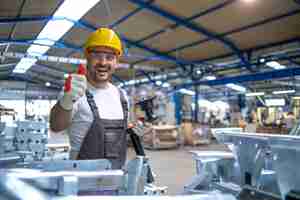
point(124, 104)
point(92, 104)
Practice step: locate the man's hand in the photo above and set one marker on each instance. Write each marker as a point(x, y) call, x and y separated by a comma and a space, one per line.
point(75, 87)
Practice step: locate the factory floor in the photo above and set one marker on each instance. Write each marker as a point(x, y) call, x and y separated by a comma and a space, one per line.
point(174, 168)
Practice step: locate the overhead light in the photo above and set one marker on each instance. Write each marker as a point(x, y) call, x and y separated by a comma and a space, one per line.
point(284, 92)
point(186, 91)
point(236, 87)
point(251, 94)
point(198, 72)
point(275, 65)
point(143, 80)
point(48, 84)
point(55, 29)
point(210, 78)
point(275, 102)
point(131, 82)
point(166, 84)
point(24, 65)
point(158, 83)
point(262, 60)
point(297, 98)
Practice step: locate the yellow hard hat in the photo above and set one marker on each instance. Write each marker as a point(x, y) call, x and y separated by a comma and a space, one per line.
point(104, 37)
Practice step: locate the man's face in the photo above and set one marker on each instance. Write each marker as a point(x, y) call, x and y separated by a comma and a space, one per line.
point(102, 62)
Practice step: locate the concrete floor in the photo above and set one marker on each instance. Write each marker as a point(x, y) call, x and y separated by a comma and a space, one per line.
point(173, 168)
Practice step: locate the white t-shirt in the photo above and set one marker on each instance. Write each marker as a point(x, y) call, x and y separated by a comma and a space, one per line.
point(109, 107)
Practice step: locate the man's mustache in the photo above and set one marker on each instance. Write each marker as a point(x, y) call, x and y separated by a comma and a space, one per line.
point(108, 67)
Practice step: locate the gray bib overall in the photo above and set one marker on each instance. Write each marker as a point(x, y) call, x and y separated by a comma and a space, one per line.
point(105, 138)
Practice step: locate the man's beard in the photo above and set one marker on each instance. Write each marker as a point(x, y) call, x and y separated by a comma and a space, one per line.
point(101, 73)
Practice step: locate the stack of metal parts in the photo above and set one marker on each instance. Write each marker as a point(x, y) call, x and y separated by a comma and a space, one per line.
point(22, 141)
point(260, 167)
point(88, 179)
point(31, 139)
point(43, 178)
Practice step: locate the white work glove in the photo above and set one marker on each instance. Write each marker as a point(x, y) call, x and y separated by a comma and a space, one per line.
point(77, 89)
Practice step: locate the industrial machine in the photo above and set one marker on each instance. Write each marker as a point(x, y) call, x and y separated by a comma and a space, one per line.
point(259, 166)
point(22, 141)
point(159, 136)
point(24, 154)
point(33, 175)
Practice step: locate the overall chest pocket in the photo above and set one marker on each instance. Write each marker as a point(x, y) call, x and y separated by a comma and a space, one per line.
point(113, 144)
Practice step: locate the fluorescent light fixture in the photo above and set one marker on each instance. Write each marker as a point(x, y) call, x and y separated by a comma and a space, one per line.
point(55, 29)
point(158, 83)
point(275, 102)
point(166, 84)
point(251, 94)
point(186, 91)
point(210, 78)
point(74, 10)
point(236, 87)
point(24, 65)
point(275, 65)
point(131, 82)
point(297, 98)
point(48, 84)
point(144, 80)
point(37, 50)
point(284, 92)
point(262, 60)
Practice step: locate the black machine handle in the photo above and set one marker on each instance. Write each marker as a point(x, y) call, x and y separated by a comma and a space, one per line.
point(139, 150)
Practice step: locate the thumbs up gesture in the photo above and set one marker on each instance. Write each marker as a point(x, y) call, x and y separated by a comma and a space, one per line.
point(74, 88)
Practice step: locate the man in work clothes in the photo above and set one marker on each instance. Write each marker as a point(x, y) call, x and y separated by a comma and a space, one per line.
point(94, 111)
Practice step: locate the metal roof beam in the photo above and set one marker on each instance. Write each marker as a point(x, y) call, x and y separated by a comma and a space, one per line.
point(284, 57)
point(92, 28)
point(24, 19)
point(124, 18)
point(46, 77)
point(138, 45)
point(57, 44)
point(237, 30)
point(191, 26)
point(247, 78)
point(257, 48)
point(13, 29)
point(294, 62)
point(19, 78)
point(51, 69)
point(203, 13)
